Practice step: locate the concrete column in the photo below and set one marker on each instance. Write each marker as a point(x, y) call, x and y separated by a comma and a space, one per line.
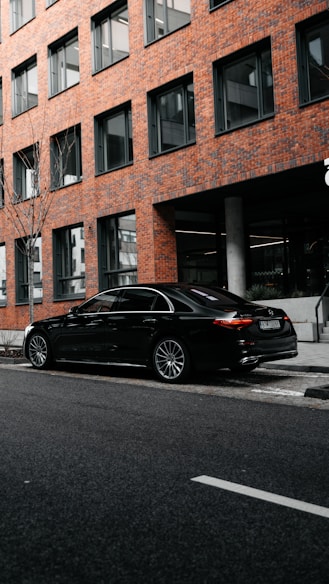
point(235, 246)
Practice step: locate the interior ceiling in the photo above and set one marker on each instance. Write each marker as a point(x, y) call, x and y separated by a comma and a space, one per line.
point(297, 191)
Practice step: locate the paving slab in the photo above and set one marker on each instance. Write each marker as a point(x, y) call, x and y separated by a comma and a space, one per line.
point(311, 357)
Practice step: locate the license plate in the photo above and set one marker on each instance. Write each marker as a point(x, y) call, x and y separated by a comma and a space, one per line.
point(269, 325)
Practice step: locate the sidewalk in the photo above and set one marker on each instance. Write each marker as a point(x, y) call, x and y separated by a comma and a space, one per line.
point(311, 357)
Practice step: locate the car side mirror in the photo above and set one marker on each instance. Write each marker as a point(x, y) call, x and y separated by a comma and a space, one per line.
point(74, 310)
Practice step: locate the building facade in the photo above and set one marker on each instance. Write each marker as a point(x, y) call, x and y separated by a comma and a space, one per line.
point(174, 139)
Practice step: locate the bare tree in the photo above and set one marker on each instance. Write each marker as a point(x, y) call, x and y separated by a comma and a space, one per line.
point(28, 197)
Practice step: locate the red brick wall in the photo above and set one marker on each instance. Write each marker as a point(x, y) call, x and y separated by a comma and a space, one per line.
point(290, 139)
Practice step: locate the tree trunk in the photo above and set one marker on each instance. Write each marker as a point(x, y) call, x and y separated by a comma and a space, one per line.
point(30, 264)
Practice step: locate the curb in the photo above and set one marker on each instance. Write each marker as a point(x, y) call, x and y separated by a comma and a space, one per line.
point(320, 392)
point(13, 360)
point(302, 368)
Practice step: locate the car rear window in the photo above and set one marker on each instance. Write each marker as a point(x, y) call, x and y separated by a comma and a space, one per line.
point(212, 297)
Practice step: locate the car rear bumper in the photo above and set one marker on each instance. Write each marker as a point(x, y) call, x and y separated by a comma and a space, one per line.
point(256, 359)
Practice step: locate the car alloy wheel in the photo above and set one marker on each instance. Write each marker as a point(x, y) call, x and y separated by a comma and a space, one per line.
point(39, 351)
point(171, 360)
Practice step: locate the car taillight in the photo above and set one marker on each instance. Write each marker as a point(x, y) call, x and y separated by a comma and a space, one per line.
point(233, 323)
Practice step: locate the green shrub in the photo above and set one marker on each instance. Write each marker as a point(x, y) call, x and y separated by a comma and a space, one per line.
point(262, 292)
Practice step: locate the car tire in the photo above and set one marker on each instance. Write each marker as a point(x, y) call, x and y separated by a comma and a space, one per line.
point(171, 360)
point(38, 351)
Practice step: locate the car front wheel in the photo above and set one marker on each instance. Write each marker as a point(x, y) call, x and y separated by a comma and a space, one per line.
point(171, 360)
point(38, 351)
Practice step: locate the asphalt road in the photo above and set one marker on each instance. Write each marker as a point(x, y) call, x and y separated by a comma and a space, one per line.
point(96, 481)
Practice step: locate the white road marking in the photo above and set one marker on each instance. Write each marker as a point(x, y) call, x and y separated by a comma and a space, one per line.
point(263, 495)
point(277, 391)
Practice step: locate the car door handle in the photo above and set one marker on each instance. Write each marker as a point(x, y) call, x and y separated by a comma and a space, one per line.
point(149, 321)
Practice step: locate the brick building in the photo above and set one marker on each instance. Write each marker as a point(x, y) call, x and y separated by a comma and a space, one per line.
point(181, 139)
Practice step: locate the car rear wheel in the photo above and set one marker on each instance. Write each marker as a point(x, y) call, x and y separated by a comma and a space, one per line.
point(38, 351)
point(171, 360)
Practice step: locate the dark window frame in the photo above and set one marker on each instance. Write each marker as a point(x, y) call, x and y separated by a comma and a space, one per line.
point(24, 161)
point(23, 100)
point(255, 51)
point(109, 271)
point(64, 241)
point(21, 275)
point(150, 16)
point(3, 282)
point(1, 102)
point(65, 148)
point(105, 18)
point(16, 19)
point(57, 53)
point(214, 4)
point(303, 30)
point(102, 145)
point(156, 124)
point(2, 189)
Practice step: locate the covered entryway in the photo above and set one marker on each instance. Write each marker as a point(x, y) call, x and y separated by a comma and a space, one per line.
point(281, 232)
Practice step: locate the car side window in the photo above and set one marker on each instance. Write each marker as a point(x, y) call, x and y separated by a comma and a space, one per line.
point(180, 306)
point(103, 302)
point(160, 304)
point(136, 300)
point(141, 300)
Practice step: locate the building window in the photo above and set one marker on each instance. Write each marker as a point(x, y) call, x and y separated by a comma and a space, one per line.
point(21, 11)
point(244, 88)
point(64, 63)
point(3, 276)
point(65, 158)
point(25, 86)
point(117, 251)
point(165, 16)
point(171, 116)
point(22, 271)
point(1, 103)
point(110, 30)
point(69, 274)
point(113, 139)
point(313, 59)
point(2, 184)
point(26, 173)
point(216, 3)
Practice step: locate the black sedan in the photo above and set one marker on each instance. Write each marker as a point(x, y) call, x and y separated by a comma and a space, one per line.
point(172, 328)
